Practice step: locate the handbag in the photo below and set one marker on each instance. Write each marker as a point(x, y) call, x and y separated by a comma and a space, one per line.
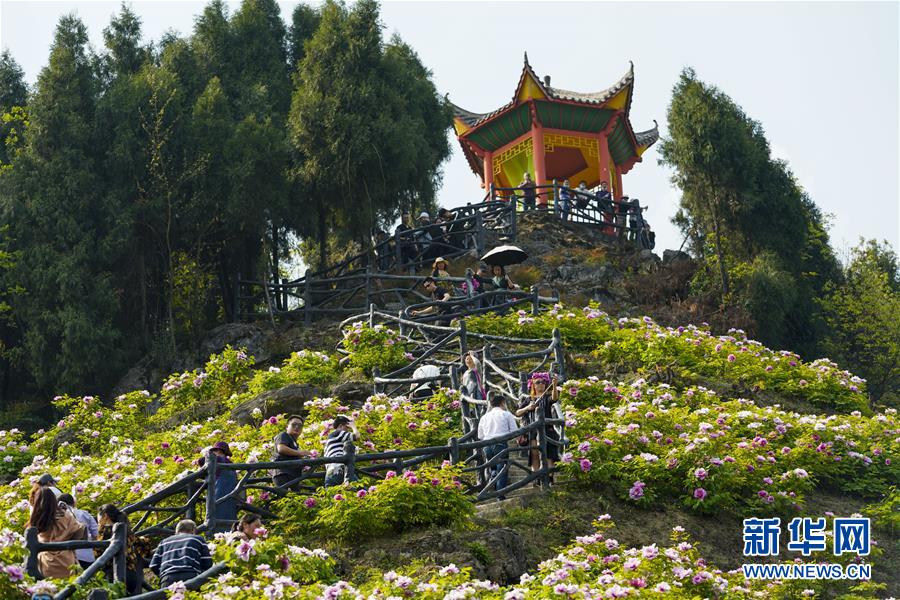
point(522, 440)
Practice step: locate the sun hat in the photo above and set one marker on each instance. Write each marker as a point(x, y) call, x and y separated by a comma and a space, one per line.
point(424, 215)
point(439, 259)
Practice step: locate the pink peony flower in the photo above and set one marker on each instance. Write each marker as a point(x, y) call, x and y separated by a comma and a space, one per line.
point(700, 493)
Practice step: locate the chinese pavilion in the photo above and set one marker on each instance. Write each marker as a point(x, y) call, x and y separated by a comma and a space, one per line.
point(555, 134)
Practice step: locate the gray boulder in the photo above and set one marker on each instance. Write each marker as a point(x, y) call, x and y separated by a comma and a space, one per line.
point(289, 399)
point(236, 335)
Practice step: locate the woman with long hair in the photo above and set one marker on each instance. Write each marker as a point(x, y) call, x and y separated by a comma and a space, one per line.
point(55, 523)
point(136, 548)
point(246, 529)
point(542, 395)
point(472, 379)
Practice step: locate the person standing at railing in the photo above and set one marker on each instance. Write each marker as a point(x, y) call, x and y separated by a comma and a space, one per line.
point(605, 202)
point(565, 200)
point(405, 239)
point(439, 268)
point(342, 432)
point(226, 481)
point(85, 556)
point(542, 395)
point(472, 380)
point(622, 208)
point(286, 449)
point(182, 556)
point(582, 195)
point(496, 423)
point(529, 192)
point(55, 522)
point(137, 548)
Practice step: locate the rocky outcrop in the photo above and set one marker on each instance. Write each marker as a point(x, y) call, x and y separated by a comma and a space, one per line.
point(289, 399)
point(494, 554)
point(352, 393)
point(236, 335)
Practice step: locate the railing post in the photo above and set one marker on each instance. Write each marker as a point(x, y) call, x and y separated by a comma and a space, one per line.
point(284, 294)
point(350, 452)
point(479, 234)
point(371, 307)
point(400, 319)
point(236, 299)
point(454, 450)
point(558, 354)
point(535, 301)
point(119, 561)
point(542, 444)
point(398, 249)
point(191, 512)
point(556, 199)
point(492, 193)
point(523, 383)
point(512, 221)
point(369, 291)
point(31, 542)
point(211, 460)
point(454, 377)
point(463, 340)
point(377, 387)
point(307, 297)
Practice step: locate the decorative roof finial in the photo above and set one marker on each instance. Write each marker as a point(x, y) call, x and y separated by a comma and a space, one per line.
point(526, 59)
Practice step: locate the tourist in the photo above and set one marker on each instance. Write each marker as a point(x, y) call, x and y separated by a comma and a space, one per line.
point(423, 390)
point(182, 556)
point(422, 233)
point(85, 556)
point(622, 208)
point(383, 250)
point(500, 279)
point(455, 230)
point(528, 192)
point(472, 379)
point(604, 198)
point(405, 239)
point(46, 480)
point(635, 222)
point(439, 295)
point(565, 200)
point(648, 237)
point(439, 268)
point(286, 449)
point(136, 547)
point(538, 399)
point(248, 528)
point(342, 431)
point(226, 481)
point(55, 523)
point(494, 424)
point(582, 195)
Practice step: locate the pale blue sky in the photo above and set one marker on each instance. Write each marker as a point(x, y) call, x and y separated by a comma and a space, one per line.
point(822, 78)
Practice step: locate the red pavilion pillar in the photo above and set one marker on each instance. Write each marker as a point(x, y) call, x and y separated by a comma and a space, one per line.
point(488, 165)
point(540, 169)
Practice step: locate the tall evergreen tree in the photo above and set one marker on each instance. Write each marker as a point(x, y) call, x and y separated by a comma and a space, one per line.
point(352, 123)
point(61, 220)
point(304, 22)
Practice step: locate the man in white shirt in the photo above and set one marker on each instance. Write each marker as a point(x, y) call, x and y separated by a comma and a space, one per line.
point(494, 424)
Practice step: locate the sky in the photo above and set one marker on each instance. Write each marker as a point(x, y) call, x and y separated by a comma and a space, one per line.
point(821, 77)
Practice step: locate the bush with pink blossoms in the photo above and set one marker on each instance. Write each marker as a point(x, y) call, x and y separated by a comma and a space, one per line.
point(402, 501)
point(374, 346)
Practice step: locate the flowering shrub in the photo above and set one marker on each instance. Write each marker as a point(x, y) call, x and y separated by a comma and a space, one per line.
point(371, 347)
point(401, 501)
point(15, 453)
point(265, 567)
point(223, 375)
point(639, 345)
point(656, 443)
point(387, 424)
point(305, 366)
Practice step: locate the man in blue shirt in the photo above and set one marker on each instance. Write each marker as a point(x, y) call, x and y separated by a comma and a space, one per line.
point(182, 556)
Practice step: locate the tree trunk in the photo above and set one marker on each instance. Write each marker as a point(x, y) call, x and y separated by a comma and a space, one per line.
point(323, 239)
point(720, 254)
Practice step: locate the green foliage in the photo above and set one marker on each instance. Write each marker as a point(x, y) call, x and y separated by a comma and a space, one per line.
point(412, 500)
point(375, 346)
point(304, 366)
point(218, 382)
point(863, 316)
point(192, 295)
point(886, 514)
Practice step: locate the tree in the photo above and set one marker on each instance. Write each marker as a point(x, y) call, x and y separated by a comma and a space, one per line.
point(304, 22)
point(863, 317)
point(362, 122)
point(123, 40)
point(62, 227)
point(13, 97)
point(717, 153)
